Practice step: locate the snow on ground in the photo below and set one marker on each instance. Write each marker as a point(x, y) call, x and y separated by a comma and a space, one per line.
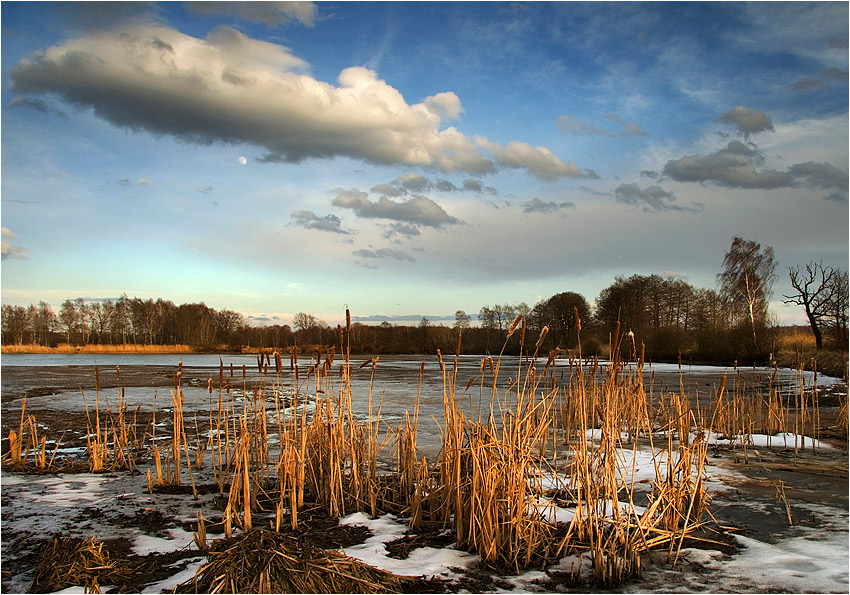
point(812, 563)
point(780, 440)
point(425, 561)
point(104, 505)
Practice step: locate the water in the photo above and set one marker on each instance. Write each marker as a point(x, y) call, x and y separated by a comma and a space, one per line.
point(393, 387)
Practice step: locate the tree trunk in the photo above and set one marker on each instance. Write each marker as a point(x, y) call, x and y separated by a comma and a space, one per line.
point(815, 328)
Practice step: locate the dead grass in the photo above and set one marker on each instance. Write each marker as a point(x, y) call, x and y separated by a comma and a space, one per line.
point(264, 561)
point(124, 348)
point(565, 427)
point(73, 562)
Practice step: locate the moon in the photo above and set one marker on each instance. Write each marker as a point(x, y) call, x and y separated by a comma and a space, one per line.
point(243, 160)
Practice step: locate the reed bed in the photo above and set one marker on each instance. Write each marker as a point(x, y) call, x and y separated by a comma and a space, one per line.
point(558, 435)
point(92, 348)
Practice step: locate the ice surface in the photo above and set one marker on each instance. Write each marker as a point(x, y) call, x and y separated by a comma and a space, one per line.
point(426, 562)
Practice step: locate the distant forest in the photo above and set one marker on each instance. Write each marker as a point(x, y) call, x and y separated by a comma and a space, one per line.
point(666, 317)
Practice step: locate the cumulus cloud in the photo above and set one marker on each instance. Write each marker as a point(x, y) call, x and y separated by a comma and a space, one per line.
point(441, 185)
point(418, 210)
point(653, 198)
point(535, 205)
point(569, 125)
point(234, 89)
point(747, 120)
point(473, 185)
point(733, 166)
point(270, 14)
point(384, 253)
point(539, 161)
point(413, 183)
point(310, 220)
point(8, 249)
point(736, 166)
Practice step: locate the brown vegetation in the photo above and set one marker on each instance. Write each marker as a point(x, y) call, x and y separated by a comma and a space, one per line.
point(487, 484)
point(122, 348)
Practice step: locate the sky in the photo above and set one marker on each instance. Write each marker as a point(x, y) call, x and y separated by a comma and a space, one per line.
point(414, 159)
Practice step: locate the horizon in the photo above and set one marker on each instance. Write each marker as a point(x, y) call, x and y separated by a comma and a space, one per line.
point(276, 158)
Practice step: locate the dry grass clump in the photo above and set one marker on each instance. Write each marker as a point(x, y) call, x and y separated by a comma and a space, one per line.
point(263, 561)
point(17, 457)
point(79, 562)
point(124, 348)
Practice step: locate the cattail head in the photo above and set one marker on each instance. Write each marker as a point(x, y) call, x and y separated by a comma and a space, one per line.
point(514, 324)
point(578, 320)
point(543, 332)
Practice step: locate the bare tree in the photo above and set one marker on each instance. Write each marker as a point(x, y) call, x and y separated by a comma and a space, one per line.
point(15, 324)
point(815, 291)
point(303, 321)
point(68, 315)
point(462, 320)
point(837, 317)
point(747, 280)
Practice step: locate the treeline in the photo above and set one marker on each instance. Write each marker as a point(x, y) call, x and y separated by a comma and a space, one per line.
point(665, 316)
point(123, 321)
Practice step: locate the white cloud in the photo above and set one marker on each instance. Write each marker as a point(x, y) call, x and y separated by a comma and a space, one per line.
point(234, 89)
point(540, 161)
point(271, 14)
point(11, 251)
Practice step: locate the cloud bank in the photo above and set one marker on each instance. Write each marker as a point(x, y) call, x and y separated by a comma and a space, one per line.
point(234, 89)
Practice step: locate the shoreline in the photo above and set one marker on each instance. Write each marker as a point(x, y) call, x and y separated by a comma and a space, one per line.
point(64, 348)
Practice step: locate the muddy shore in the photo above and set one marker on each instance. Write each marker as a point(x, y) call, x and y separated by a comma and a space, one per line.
point(760, 488)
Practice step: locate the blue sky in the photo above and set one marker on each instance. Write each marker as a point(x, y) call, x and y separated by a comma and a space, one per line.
point(414, 158)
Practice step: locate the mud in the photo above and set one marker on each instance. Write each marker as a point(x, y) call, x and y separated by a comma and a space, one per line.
point(766, 494)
